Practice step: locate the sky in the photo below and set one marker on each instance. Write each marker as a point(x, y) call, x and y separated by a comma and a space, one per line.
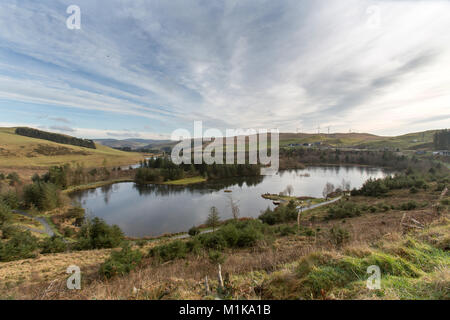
point(142, 69)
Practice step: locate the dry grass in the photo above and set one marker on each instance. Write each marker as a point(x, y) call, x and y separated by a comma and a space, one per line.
point(29, 155)
point(250, 269)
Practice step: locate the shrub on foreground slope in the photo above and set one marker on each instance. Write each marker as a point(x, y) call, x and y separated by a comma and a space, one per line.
point(233, 234)
point(96, 234)
point(279, 215)
point(54, 244)
point(408, 271)
point(21, 246)
point(121, 262)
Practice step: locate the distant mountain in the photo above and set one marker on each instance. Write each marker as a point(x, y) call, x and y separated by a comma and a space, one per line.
point(411, 141)
point(132, 143)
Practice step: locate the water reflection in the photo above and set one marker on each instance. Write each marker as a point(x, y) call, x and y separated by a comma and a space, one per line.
point(157, 209)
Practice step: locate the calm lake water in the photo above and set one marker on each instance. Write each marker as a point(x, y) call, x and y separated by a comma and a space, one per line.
point(157, 209)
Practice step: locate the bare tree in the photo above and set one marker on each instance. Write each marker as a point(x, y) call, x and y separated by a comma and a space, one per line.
point(300, 210)
point(289, 190)
point(234, 208)
point(345, 185)
point(329, 188)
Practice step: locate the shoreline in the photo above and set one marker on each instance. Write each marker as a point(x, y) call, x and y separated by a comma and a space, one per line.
point(99, 184)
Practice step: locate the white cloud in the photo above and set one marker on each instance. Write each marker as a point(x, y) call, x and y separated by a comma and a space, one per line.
point(285, 64)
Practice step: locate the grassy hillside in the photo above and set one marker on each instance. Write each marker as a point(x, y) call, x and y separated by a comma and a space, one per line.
point(334, 139)
point(23, 152)
point(305, 265)
point(133, 143)
point(413, 141)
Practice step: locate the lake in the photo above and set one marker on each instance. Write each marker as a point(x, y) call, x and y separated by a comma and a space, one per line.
point(158, 209)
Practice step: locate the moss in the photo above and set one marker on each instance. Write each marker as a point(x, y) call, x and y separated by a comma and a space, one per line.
point(408, 270)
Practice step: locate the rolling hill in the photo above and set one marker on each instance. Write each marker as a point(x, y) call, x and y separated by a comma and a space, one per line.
point(132, 143)
point(18, 152)
point(411, 141)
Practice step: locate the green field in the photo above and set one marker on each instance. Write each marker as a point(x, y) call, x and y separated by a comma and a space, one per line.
point(19, 152)
point(412, 141)
point(186, 181)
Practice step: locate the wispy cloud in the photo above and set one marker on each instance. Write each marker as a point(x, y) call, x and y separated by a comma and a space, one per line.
point(62, 128)
point(64, 120)
point(286, 64)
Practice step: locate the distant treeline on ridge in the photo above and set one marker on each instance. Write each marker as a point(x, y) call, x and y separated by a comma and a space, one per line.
point(55, 137)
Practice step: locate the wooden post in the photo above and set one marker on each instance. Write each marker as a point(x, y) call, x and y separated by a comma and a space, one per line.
point(298, 219)
point(206, 285)
point(220, 277)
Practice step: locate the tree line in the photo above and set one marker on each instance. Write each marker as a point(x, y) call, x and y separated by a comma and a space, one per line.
point(55, 137)
point(163, 169)
point(292, 158)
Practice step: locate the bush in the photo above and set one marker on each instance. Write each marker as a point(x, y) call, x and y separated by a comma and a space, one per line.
point(9, 231)
point(11, 199)
point(174, 250)
point(44, 196)
point(68, 232)
point(13, 177)
point(269, 217)
point(344, 210)
point(309, 232)
point(281, 214)
point(216, 257)
point(54, 244)
point(410, 205)
point(21, 246)
point(5, 214)
point(230, 233)
point(413, 190)
point(213, 240)
point(235, 234)
point(121, 262)
point(96, 234)
point(249, 235)
point(339, 236)
point(286, 230)
point(194, 245)
point(194, 231)
point(374, 188)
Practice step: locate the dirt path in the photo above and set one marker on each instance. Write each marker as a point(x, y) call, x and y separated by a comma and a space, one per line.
point(47, 228)
point(317, 205)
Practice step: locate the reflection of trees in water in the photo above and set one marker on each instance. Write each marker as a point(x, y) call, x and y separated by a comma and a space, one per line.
point(105, 191)
point(202, 188)
point(217, 185)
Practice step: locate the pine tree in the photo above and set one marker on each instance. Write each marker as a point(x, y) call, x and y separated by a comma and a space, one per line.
point(213, 218)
